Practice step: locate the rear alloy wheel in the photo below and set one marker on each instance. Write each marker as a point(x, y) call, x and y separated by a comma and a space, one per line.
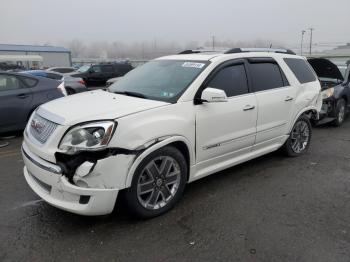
point(158, 183)
point(299, 138)
point(340, 112)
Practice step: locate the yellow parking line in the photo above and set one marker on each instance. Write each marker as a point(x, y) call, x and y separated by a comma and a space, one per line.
point(9, 155)
point(8, 152)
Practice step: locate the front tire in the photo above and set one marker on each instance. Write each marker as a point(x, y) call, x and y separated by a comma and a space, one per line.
point(340, 112)
point(158, 183)
point(299, 139)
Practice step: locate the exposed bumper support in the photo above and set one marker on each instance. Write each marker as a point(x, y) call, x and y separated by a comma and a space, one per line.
point(56, 190)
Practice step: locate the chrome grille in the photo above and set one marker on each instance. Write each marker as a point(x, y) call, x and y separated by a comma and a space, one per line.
point(41, 128)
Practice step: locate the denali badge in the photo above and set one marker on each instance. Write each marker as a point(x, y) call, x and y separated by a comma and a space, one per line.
point(37, 126)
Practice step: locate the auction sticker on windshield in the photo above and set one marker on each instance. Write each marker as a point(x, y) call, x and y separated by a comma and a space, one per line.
point(192, 64)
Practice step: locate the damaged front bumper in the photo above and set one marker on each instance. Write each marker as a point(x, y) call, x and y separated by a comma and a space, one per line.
point(327, 112)
point(96, 197)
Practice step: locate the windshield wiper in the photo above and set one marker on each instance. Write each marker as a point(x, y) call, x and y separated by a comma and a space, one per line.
point(130, 93)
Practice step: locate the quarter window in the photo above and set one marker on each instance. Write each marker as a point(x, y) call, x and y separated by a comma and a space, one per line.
point(108, 68)
point(231, 79)
point(301, 70)
point(266, 76)
point(8, 82)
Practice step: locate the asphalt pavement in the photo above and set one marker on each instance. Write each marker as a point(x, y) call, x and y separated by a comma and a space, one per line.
point(269, 209)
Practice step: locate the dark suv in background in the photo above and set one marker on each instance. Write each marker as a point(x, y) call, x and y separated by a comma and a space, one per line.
point(335, 91)
point(99, 73)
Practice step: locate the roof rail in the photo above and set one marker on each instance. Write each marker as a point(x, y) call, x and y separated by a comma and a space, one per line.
point(198, 51)
point(274, 50)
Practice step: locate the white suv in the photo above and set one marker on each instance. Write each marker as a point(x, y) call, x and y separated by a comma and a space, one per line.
point(169, 122)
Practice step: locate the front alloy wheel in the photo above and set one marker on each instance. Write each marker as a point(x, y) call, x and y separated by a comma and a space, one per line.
point(158, 183)
point(340, 112)
point(299, 138)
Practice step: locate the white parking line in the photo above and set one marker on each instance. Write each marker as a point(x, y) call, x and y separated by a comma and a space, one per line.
point(30, 203)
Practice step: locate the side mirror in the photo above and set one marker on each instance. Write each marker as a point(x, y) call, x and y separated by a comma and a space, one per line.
point(91, 71)
point(212, 95)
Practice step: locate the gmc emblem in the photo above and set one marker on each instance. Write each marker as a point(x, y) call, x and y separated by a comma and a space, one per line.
point(37, 126)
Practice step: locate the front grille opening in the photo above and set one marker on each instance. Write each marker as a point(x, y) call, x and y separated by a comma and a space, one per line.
point(84, 200)
point(41, 128)
point(43, 185)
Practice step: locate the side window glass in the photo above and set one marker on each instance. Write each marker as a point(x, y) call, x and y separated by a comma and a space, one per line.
point(54, 76)
point(266, 76)
point(96, 69)
point(108, 68)
point(31, 82)
point(301, 70)
point(8, 82)
point(231, 79)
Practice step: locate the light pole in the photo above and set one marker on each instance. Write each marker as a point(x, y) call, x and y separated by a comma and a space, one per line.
point(213, 37)
point(311, 29)
point(302, 40)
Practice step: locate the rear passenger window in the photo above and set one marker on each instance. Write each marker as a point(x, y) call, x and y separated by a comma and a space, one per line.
point(266, 76)
point(31, 82)
point(301, 70)
point(232, 79)
point(54, 76)
point(108, 68)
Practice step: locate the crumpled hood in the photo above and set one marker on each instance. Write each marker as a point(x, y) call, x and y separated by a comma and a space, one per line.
point(94, 105)
point(325, 68)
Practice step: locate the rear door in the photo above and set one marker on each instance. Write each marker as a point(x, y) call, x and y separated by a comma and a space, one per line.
point(275, 99)
point(108, 72)
point(15, 102)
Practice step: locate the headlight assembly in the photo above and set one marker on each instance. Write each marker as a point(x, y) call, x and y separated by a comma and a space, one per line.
point(327, 93)
point(88, 137)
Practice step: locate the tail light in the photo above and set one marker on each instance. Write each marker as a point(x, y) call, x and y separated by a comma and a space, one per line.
point(62, 89)
point(81, 82)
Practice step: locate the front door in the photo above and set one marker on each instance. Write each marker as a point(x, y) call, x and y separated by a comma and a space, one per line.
point(223, 128)
point(15, 101)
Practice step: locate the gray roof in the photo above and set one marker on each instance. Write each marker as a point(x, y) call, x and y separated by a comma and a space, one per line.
point(33, 48)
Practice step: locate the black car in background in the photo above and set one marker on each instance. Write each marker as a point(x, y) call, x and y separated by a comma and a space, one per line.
point(98, 74)
point(20, 94)
point(335, 91)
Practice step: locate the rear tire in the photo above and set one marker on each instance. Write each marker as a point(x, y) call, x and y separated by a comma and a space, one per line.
point(299, 139)
point(70, 91)
point(158, 183)
point(340, 112)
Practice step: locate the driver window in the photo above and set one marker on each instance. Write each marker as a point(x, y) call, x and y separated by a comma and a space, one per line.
point(8, 82)
point(232, 80)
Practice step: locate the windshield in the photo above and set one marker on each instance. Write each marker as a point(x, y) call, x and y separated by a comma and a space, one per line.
point(163, 80)
point(83, 69)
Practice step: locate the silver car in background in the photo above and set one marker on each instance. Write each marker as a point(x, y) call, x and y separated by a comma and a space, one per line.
point(72, 85)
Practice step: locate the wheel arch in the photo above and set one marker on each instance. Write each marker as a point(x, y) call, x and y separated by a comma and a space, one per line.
point(311, 112)
point(179, 142)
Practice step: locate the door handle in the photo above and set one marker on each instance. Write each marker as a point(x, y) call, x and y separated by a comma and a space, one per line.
point(288, 98)
point(22, 96)
point(248, 107)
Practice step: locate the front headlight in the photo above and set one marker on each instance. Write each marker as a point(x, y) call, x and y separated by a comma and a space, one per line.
point(327, 93)
point(87, 137)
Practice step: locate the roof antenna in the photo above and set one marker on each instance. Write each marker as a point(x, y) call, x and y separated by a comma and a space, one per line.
point(270, 45)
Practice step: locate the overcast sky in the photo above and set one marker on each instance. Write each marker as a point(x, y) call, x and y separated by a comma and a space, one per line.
point(54, 21)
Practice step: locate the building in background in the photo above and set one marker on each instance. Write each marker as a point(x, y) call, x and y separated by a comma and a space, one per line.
point(44, 56)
